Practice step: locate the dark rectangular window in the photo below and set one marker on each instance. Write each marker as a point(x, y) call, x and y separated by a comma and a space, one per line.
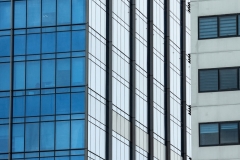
point(227, 26)
point(209, 134)
point(208, 27)
point(208, 80)
point(229, 133)
point(228, 79)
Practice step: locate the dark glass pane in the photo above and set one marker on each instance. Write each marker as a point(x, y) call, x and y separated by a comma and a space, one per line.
point(239, 25)
point(62, 103)
point(78, 102)
point(20, 14)
point(78, 40)
point(62, 135)
point(18, 106)
point(32, 137)
point(33, 74)
point(19, 44)
point(78, 71)
point(209, 134)
point(77, 134)
point(4, 107)
point(63, 72)
point(4, 72)
point(33, 44)
point(5, 14)
point(32, 105)
point(228, 25)
point(78, 11)
point(208, 27)
point(48, 73)
point(229, 133)
point(4, 134)
point(18, 138)
point(19, 75)
point(63, 41)
point(228, 79)
point(47, 136)
point(5, 46)
point(48, 12)
point(48, 104)
point(208, 80)
point(64, 11)
point(77, 157)
point(33, 13)
point(48, 42)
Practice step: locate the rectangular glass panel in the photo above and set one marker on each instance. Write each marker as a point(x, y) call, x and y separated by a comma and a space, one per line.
point(5, 46)
point(208, 27)
point(63, 135)
point(48, 42)
point(19, 44)
point(18, 106)
point(48, 73)
point(228, 79)
point(228, 25)
point(78, 71)
point(63, 103)
point(78, 40)
point(33, 74)
point(208, 80)
point(33, 13)
point(47, 136)
point(18, 138)
point(33, 44)
point(20, 14)
point(77, 134)
point(63, 72)
point(19, 75)
point(209, 134)
point(4, 107)
point(32, 105)
point(63, 41)
point(229, 133)
point(48, 104)
point(78, 102)
point(78, 11)
point(5, 14)
point(4, 72)
point(63, 12)
point(48, 12)
point(4, 134)
point(32, 137)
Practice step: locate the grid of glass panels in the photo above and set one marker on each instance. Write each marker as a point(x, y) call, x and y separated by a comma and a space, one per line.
point(48, 79)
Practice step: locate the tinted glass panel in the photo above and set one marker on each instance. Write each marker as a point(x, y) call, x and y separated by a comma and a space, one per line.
point(229, 133)
point(228, 79)
point(19, 75)
point(208, 80)
point(4, 107)
point(77, 102)
point(63, 72)
point(32, 137)
point(48, 104)
point(78, 71)
point(63, 11)
point(32, 105)
point(209, 134)
point(5, 46)
point(77, 134)
point(4, 72)
point(48, 73)
point(20, 14)
point(228, 25)
point(18, 106)
point(47, 136)
point(48, 42)
point(33, 74)
point(33, 13)
point(62, 103)
point(78, 11)
point(48, 12)
point(63, 41)
point(5, 14)
point(33, 44)
point(18, 138)
point(62, 135)
point(78, 40)
point(19, 44)
point(4, 138)
point(208, 27)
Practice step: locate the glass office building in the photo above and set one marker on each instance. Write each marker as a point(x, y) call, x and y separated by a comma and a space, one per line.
point(94, 80)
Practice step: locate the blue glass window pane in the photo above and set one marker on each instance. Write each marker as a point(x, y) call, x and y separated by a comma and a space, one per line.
point(33, 74)
point(63, 12)
point(48, 42)
point(32, 137)
point(77, 134)
point(48, 12)
point(5, 46)
point(48, 104)
point(48, 73)
point(18, 138)
point(4, 107)
point(47, 136)
point(5, 14)
point(62, 135)
point(33, 44)
point(78, 40)
point(4, 72)
point(63, 41)
point(20, 14)
point(63, 103)
point(62, 158)
point(19, 75)
point(208, 80)
point(228, 79)
point(229, 133)
point(18, 106)
point(78, 102)
point(208, 27)
point(32, 105)
point(77, 157)
point(4, 138)
point(209, 134)
point(78, 11)
point(33, 13)
point(78, 71)
point(228, 25)
point(19, 44)
point(63, 72)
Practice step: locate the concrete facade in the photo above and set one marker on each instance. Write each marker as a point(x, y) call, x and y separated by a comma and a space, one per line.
point(213, 53)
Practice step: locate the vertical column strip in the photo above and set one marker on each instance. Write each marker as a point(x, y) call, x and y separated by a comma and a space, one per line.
point(86, 80)
point(183, 79)
point(133, 79)
point(167, 76)
point(11, 81)
point(150, 78)
point(109, 81)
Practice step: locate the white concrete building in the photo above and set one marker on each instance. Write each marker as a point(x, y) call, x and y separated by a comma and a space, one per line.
point(215, 79)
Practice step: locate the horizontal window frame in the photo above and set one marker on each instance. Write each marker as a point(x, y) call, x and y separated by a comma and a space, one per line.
point(220, 90)
point(219, 133)
point(218, 26)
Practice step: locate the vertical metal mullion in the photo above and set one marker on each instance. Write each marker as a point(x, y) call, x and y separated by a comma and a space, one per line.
point(150, 78)
point(219, 133)
point(109, 80)
point(218, 26)
point(133, 78)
